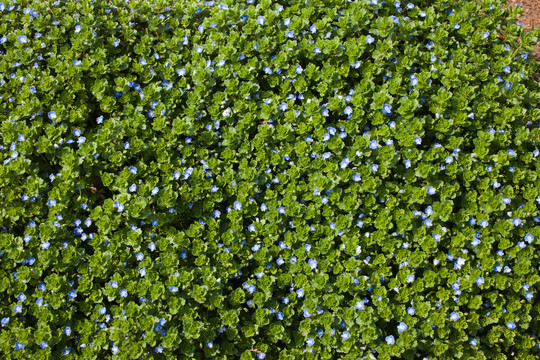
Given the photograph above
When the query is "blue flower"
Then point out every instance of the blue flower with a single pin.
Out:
(281, 210)
(133, 170)
(317, 50)
(370, 39)
(508, 85)
(133, 188)
(516, 221)
(237, 205)
(387, 109)
(123, 293)
(528, 238)
(529, 296)
(19, 346)
(21, 297)
(77, 62)
(485, 34)
(300, 292)
(298, 69)
(210, 344)
(22, 39)
(52, 115)
(454, 316)
(374, 167)
(116, 43)
(511, 325)
(310, 342)
(251, 227)
(359, 305)
(114, 284)
(67, 331)
(345, 335)
(280, 315)
(155, 190)
(72, 294)
(390, 340)
(431, 190)
(17, 309)
(410, 311)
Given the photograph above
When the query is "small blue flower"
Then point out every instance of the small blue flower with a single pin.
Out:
(280, 315)
(52, 115)
(317, 50)
(281, 210)
(516, 221)
(300, 292)
(17, 309)
(511, 325)
(374, 167)
(21, 297)
(508, 85)
(4, 321)
(479, 280)
(237, 205)
(390, 340)
(387, 109)
(22, 39)
(72, 294)
(123, 293)
(298, 69)
(370, 39)
(67, 331)
(345, 335)
(133, 170)
(116, 43)
(529, 296)
(454, 316)
(19, 346)
(77, 62)
(260, 20)
(431, 190)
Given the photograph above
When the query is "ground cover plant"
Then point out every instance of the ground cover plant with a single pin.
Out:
(268, 179)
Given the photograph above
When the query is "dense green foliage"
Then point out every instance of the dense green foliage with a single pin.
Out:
(279, 180)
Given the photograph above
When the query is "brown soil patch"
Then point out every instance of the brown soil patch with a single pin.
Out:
(530, 18)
